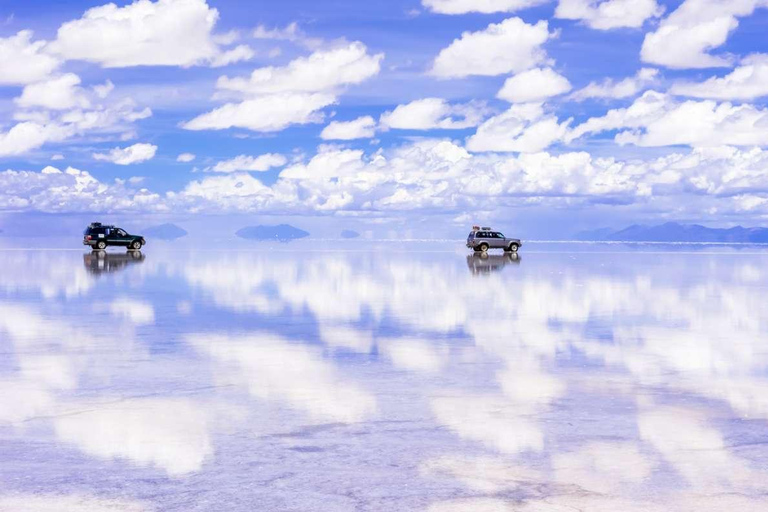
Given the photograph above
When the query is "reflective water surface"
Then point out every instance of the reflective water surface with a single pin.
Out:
(299, 378)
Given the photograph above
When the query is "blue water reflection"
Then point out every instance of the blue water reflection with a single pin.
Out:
(390, 379)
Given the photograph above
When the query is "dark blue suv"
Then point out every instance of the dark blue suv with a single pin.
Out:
(100, 236)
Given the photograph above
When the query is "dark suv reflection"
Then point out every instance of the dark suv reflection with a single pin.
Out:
(484, 263)
(101, 262)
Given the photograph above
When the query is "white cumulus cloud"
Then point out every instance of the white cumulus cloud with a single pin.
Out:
(534, 85)
(624, 88)
(23, 61)
(424, 175)
(239, 53)
(510, 46)
(685, 38)
(104, 90)
(746, 82)
(55, 93)
(145, 33)
(251, 163)
(360, 128)
(609, 14)
(186, 157)
(321, 71)
(483, 6)
(658, 119)
(269, 113)
(277, 97)
(53, 190)
(135, 154)
(524, 128)
(431, 113)
(28, 135)
(58, 109)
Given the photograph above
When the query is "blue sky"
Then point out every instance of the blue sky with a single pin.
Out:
(380, 114)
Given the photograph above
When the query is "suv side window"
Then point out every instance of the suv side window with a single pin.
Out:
(481, 234)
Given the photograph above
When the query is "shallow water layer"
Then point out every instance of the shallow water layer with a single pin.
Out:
(377, 378)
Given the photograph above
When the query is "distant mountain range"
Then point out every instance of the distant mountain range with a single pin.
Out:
(348, 233)
(281, 233)
(674, 232)
(165, 232)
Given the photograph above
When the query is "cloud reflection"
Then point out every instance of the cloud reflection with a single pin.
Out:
(273, 369)
(697, 451)
(68, 503)
(171, 434)
(601, 382)
(490, 420)
(49, 273)
(136, 311)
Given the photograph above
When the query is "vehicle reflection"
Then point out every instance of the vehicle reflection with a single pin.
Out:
(600, 382)
(481, 263)
(103, 262)
(670, 335)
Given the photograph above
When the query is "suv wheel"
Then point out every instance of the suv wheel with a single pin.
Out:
(484, 247)
(101, 245)
(136, 245)
(513, 247)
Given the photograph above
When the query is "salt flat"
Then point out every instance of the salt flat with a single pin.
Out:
(376, 377)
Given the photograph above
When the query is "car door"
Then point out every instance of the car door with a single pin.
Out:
(117, 236)
(124, 237)
(497, 240)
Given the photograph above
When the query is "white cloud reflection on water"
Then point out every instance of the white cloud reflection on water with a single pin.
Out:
(50, 273)
(138, 312)
(600, 382)
(663, 332)
(49, 355)
(172, 434)
(68, 503)
(53, 357)
(294, 375)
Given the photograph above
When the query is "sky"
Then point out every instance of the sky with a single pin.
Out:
(548, 117)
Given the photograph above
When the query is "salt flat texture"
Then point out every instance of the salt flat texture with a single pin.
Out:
(614, 379)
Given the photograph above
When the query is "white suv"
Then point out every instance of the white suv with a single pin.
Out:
(484, 238)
